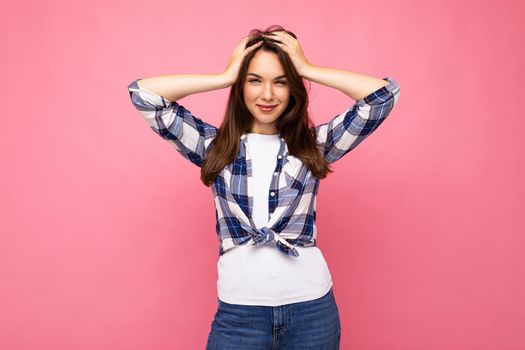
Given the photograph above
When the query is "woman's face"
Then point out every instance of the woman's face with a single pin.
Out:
(265, 85)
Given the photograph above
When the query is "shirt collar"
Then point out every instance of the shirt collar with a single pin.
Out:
(283, 150)
(244, 136)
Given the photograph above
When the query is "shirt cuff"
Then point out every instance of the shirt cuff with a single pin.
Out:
(382, 94)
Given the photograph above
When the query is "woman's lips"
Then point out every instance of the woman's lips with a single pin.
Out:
(266, 109)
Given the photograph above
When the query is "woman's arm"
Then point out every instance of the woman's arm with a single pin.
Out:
(355, 85)
(346, 131)
(176, 86)
(156, 99)
(173, 87)
(374, 97)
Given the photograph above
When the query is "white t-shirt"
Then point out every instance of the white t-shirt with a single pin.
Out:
(261, 275)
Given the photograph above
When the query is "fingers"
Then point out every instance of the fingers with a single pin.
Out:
(242, 46)
(283, 36)
(246, 38)
(254, 46)
(279, 37)
(243, 43)
(279, 34)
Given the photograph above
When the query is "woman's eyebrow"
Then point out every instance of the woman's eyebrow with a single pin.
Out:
(258, 76)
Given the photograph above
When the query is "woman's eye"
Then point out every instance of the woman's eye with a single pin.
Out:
(256, 80)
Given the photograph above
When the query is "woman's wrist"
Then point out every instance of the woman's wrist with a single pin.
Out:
(226, 78)
(306, 70)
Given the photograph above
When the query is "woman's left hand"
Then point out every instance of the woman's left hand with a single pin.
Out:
(291, 46)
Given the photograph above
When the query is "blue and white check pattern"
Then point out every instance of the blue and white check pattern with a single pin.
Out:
(293, 189)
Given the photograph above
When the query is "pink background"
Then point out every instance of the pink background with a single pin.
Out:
(108, 236)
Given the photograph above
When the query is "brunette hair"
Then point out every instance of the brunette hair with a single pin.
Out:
(294, 124)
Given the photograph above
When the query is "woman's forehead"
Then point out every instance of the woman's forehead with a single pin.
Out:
(266, 66)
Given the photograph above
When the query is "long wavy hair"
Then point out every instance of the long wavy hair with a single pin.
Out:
(294, 124)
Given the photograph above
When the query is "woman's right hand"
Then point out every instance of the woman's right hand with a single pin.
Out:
(232, 70)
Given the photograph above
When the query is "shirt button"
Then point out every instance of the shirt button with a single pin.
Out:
(275, 173)
(272, 193)
(279, 156)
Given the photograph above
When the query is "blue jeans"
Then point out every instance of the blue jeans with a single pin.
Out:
(312, 324)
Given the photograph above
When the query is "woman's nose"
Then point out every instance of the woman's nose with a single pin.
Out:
(267, 91)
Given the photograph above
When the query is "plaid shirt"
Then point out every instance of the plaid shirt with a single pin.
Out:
(293, 189)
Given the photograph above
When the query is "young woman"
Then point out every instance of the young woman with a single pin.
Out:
(264, 165)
